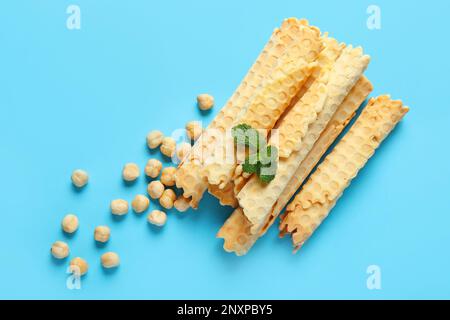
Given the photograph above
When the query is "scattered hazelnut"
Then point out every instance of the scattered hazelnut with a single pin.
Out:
(181, 204)
(119, 207)
(193, 130)
(154, 139)
(157, 217)
(130, 172)
(205, 101)
(153, 168)
(60, 250)
(140, 203)
(80, 178)
(110, 260)
(79, 266)
(168, 146)
(70, 223)
(168, 176)
(102, 233)
(183, 150)
(167, 199)
(155, 189)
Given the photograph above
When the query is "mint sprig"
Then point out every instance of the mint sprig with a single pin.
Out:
(263, 159)
(245, 135)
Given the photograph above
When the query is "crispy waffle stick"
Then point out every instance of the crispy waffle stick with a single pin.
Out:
(297, 115)
(270, 100)
(257, 199)
(341, 118)
(319, 195)
(236, 230)
(188, 176)
(330, 52)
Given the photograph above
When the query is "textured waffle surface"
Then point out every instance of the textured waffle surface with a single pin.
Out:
(319, 195)
(342, 116)
(225, 195)
(257, 199)
(294, 126)
(235, 232)
(273, 96)
(189, 176)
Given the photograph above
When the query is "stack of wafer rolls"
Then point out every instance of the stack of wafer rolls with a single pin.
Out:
(301, 93)
(278, 74)
(327, 184)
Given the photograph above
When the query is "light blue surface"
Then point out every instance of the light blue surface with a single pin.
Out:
(87, 98)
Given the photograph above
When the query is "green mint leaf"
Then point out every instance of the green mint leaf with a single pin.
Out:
(268, 164)
(250, 168)
(266, 178)
(244, 134)
(239, 133)
(251, 164)
(268, 156)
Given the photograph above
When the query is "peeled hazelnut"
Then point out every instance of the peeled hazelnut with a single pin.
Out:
(167, 199)
(183, 150)
(153, 168)
(155, 189)
(102, 234)
(80, 178)
(168, 176)
(60, 250)
(140, 203)
(119, 207)
(205, 101)
(157, 218)
(70, 223)
(154, 139)
(79, 266)
(110, 260)
(130, 172)
(193, 130)
(168, 146)
(181, 204)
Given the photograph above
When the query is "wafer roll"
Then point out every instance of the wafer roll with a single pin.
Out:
(225, 196)
(341, 118)
(236, 230)
(319, 195)
(331, 50)
(270, 100)
(256, 198)
(188, 176)
(294, 126)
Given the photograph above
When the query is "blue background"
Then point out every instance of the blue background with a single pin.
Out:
(87, 98)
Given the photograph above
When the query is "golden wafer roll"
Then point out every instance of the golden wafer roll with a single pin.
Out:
(319, 195)
(188, 176)
(256, 198)
(293, 127)
(331, 50)
(341, 118)
(237, 238)
(226, 195)
(270, 100)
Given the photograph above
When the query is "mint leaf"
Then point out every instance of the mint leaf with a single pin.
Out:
(250, 168)
(251, 164)
(268, 164)
(239, 133)
(266, 178)
(268, 156)
(244, 134)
